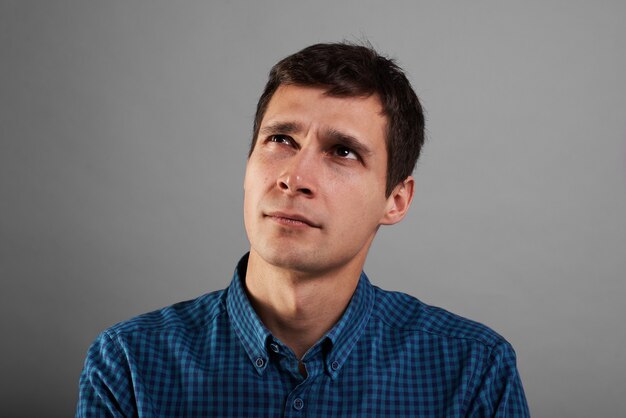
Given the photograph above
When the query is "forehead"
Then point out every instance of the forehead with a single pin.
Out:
(312, 108)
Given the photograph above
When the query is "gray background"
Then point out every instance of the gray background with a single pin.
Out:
(124, 128)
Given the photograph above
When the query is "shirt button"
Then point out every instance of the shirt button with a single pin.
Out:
(334, 366)
(298, 404)
(259, 362)
(274, 347)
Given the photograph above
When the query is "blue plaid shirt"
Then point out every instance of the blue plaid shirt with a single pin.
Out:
(389, 356)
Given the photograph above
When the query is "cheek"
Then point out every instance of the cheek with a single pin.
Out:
(373, 204)
(257, 181)
(253, 178)
(358, 188)
(259, 170)
(359, 206)
(249, 190)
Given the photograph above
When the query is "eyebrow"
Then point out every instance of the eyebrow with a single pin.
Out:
(348, 141)
(281, 127)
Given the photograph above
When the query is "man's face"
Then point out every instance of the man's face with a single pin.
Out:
(315, 181)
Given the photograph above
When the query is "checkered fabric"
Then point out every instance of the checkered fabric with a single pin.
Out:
(389, 356)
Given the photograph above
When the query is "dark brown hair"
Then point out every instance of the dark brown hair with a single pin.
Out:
(348, 70)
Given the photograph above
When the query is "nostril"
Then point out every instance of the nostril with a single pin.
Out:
(291, 185)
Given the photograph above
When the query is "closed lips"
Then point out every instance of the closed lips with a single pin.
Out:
(295, 218)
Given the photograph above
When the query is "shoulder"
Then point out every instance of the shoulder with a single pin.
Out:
(403, 312)
(142, 345)
(186, 316)
(440, 343)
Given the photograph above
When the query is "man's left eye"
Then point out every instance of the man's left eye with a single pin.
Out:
(345, 152)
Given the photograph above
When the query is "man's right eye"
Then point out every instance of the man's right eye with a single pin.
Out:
(280, 139)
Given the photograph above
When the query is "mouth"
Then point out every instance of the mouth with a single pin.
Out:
(291, 219)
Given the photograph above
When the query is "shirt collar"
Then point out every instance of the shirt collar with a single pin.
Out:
(349, 329)
(255, 336)
(249, 328)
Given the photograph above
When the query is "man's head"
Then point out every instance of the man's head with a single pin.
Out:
(337, 134)
(346, 70)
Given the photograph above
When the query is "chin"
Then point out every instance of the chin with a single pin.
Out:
(291, 258)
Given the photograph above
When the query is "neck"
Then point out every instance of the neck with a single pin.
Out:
(299, 309)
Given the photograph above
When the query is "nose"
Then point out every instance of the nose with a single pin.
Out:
(299, 175)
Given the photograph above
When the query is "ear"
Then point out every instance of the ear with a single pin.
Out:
(398, 202)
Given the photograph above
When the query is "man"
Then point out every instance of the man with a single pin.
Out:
(301, 331)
